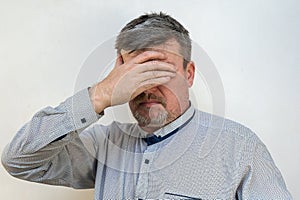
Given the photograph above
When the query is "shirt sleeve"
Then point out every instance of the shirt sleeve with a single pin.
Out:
(48, 149)
(262, 179)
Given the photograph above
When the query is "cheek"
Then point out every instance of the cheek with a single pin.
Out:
(176, 90)
(132, 106)
(172, 94)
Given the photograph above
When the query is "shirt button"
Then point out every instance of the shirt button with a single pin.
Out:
(83, 120)
(147, 161)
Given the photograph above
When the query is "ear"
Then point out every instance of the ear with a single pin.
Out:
(119, 60)
(190, 73)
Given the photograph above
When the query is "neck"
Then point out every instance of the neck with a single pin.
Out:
(151, 129)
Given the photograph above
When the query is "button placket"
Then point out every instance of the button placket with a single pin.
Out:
(143, 180)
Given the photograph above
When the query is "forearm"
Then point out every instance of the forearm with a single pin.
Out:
(44, 144)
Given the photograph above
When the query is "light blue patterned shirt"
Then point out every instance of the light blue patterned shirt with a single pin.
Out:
(205, 157)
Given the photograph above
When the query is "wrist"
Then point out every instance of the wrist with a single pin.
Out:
(99, 97)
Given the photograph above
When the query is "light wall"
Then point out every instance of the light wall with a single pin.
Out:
(254, 45)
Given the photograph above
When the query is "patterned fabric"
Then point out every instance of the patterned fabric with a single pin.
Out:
(208, 158)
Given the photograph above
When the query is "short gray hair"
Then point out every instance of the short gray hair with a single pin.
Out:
(154, 29)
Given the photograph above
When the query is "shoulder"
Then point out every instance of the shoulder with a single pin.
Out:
(227, 128)
(222, 137)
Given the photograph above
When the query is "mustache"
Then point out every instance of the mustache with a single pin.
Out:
(143, 97)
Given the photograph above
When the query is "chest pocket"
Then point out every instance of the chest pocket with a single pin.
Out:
(169, 195)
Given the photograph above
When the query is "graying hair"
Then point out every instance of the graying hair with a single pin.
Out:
(153, 29)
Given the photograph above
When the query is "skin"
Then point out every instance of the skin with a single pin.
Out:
(158, 86)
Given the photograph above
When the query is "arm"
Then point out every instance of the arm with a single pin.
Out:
(262, 180)
(48, 149)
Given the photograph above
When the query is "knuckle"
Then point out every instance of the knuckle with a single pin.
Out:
(153, 62)
(146, 54)
(136, 85)
(155, 74)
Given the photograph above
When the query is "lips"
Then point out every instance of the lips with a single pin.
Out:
(149, 103)
(148, 100)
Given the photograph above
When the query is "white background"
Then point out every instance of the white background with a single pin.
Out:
(254, 45)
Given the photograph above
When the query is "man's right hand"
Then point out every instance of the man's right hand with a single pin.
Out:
(127, 80)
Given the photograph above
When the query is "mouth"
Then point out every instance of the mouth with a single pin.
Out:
(148, 100)
(150, 103)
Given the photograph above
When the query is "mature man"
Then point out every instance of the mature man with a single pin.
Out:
(174, 151)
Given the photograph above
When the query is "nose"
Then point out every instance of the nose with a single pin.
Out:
(151, 90)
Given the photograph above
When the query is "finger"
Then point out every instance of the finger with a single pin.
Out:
(156, 66)
(148, 84)
(148, 55)
(156, 74)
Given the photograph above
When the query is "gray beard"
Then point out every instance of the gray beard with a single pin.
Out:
(155, 121)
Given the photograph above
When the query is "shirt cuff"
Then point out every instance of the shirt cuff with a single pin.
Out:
(81, 110)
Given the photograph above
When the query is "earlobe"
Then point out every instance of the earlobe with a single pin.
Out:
(190, 72)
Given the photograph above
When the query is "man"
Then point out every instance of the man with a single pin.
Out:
(173, 152)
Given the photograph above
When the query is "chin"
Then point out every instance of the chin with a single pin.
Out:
(152, 118)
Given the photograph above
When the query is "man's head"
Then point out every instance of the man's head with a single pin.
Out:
(151, 30)
(162, 104)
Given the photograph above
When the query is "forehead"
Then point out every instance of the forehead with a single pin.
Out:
(170, 47)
